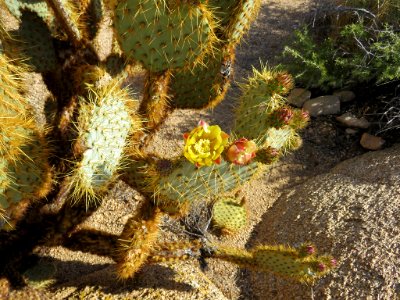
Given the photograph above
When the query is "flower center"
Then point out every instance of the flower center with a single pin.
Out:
(202, 146)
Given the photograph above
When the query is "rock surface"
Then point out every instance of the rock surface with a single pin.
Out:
(323, 105)
(349, 120)
(371, 142)
(352, 212)
(345, 96)
(298, 96)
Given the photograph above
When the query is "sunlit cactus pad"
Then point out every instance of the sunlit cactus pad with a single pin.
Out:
(104, 124)
(186, 183)
(161, 35)
(240, 18)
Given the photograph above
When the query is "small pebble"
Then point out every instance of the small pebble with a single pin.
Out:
(350, 120)
(371, 142)
(351, 131)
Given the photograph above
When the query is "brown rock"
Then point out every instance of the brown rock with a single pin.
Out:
(298, 96)
(351, 212)
(371, 142)
(345, 96)
(350, 120)
(324, 105)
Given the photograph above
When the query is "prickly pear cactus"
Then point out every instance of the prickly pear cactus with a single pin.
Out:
(229, 215)
(206, 85)
(50, 174)
(262, 114)
(291, 263)
(104, 124)
(186, 183)
(162, 34)
(25, 173)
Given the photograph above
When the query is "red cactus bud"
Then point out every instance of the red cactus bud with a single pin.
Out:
(321, 267)
(282, 116)
(310, 249)
(285, 80)
(241, 151)
(285, 114)
(305, 114)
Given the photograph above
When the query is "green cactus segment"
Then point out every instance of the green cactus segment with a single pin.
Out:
(222, 10)
(243, 14)
(206, 85)
(259, 103)
(24, 176)
(24, 171)
(229, 215)
(104, 124)
(281, 260)
(11, 100)
(162, 37)
(35, 43)
(283, 139)
(37, 6)
(186, 183)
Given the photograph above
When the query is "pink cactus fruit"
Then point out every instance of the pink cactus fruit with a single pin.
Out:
(241, 152)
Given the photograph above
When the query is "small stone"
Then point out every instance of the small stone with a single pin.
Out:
(349, 120)
(351, 131)
(298, 96)
(371, 142)
(345, 96)
(324, 105)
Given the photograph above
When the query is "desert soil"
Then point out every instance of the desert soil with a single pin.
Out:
(84, 276)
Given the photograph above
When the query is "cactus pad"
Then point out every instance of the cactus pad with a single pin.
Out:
(281, 260)
(244, 12)
(104, 124)
(229, 215)
(186, 183)
(262, 114)
(222, 10)
(206, 85)
(24, 178)
(155, 104)
(11, 87)
(162, 37)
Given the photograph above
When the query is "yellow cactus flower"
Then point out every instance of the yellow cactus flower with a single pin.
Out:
(204, 144)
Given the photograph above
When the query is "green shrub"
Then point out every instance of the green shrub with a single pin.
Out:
(352, 51)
